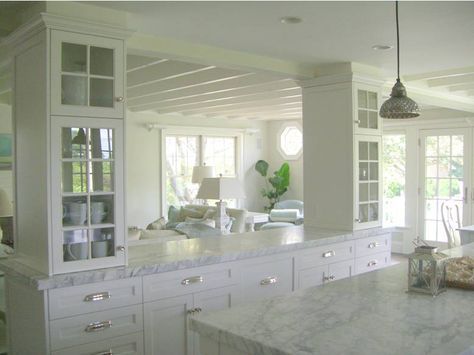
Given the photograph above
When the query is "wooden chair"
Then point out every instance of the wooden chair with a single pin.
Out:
(451, 221)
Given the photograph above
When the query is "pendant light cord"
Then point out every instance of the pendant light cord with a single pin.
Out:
(398, 41)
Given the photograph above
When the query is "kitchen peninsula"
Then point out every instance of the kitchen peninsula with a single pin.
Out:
(144, 307)
(367, 314)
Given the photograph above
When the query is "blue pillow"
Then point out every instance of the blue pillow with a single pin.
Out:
(174, 214)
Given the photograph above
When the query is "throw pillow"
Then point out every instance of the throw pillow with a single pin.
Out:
(173, 214)
(210, 213)
(160, 223)
(189, 212)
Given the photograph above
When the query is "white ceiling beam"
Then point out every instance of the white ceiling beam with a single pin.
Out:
(440, 99)
(439, 74)
(162, 71)
(179, 83)
(269, 108)
(461, 87)
(213, 93)
(453, 80)
(236, 106)
(251, 83)
(135, 62)
(470, 92)
(144, 44)
(286, 93)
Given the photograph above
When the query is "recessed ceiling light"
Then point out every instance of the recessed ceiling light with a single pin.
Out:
(290, 20)
(381, 47)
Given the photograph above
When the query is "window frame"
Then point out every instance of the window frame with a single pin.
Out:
(279, 136)
(200, 133)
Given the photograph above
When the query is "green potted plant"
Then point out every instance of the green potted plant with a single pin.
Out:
(276, 185)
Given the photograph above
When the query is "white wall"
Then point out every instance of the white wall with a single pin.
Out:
(143, 164)
(275, 159)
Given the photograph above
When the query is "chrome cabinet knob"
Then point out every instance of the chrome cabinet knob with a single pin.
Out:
(120, 248)
(329, 278)
(269, 281)
(357, 121)
(192, 280)
(357, 220)
(107, 352)
(119, 99)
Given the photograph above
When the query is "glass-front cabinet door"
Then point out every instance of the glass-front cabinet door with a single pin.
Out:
(88, 194)
(87, 75)
(367, 119)
(368, 182)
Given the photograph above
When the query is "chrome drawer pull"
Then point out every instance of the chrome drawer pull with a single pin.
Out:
(194, 310)
(329, 278)
(329, 253)
(97, 297)
(96, 326)
(192, 280)
(107, 352)
(372, 263)
(269, 280)
(373, 245)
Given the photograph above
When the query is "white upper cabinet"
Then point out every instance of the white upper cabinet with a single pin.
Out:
(86, 75)
(366, 110)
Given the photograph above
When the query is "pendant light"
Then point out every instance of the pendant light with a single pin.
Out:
(399, 105)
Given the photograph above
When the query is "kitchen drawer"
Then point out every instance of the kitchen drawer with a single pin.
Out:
(130, 344)
(98, 326)
(330, 253)
(75, 300)
(184, 282)
(319, 275)
(271, 277)
(372, 262)
(372, 245)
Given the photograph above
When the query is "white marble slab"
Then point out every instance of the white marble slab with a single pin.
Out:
(170, 256)
(367, 314)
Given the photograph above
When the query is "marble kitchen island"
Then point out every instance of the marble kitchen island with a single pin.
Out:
(366, 314)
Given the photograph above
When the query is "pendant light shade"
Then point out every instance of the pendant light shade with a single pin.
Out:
(399, 105)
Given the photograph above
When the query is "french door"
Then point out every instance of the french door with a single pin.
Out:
(445, 164)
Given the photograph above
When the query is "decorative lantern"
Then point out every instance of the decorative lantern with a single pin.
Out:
(427, 270)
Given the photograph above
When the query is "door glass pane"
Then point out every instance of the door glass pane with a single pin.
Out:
(374, 191)
(363, 151)
(362, 98)
(373, 211)
(444, 181)
(73, 142)
(73, 58)
(363, 119)
(102, 244)
(73, 90)
(363, 213)
(373, 119)
(74, 211)
(74, 177)
(102, 92)
(102, 143)
(363, 192)
(372, 100)
(102, 209)
(373, 151)
(363, 171)
(102, 61)
(373, 171)
(102, 178)
(75, 245)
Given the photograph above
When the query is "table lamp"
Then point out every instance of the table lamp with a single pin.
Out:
(221, 188)
(6, 218)
(201, 172)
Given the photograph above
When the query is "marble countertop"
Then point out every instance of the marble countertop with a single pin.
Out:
(367, 314)
(169, 256)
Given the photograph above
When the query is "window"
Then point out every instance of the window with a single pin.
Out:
(290, 142)
(394, 169)
(183, 152)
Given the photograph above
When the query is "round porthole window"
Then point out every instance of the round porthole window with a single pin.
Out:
(291, 141)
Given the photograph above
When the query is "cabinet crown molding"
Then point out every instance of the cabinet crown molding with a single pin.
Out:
(50, 21)
(342, 78)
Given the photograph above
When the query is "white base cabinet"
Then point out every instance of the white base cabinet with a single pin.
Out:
(150, 314)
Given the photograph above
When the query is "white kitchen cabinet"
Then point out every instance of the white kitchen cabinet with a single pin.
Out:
(166, 320)
(68, 157)
(342, 125)
(86, 75)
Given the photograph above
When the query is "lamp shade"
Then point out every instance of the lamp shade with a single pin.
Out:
(220, 188)
(201, 172)
(5, 205)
